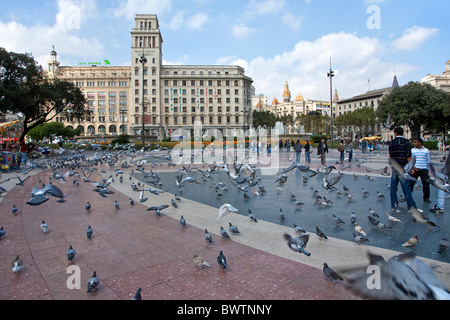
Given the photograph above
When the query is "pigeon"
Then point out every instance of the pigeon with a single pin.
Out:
(2, 232)
(282, 178)
(338, 220)
(298, 229)
(359, 238)
(402, 277)
(411, 241)
(225, 209)
(418, 217)
(359, 229)
(443, 245)
(44, 226)
(403, 172)
(373, 213)
(38, 196)
(200, 262)
(281, 214)
(70, 253)
(116, 204)
(89, 232)
(158, 209)
(392, 218)
(173, 203)
(141, 197)
(331, 274)
(329, 184)
(224, 233)
(93, 283)
(17, 264)
(137, 295)
(365, 192)
(380, 196)
(353, 217)
(252, 216)
(207, 236)
(183, 221)
(298, 244)
(221, 260)
(88, 206)
(320, 233)
(233, 229)
(14, 209)
(375, 222)
(63, 199)
(131, 201)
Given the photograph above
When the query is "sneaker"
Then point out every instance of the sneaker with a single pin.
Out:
(436, 209)
(427, 200)
(420, 210)
(396, 210)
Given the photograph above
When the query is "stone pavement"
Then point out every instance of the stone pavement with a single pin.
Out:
(132, 248)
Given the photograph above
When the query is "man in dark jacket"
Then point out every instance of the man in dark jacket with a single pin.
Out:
(322, 150)
(298, 150)
(400, 151)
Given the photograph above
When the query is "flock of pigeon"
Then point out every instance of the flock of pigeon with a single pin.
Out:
(242, 176)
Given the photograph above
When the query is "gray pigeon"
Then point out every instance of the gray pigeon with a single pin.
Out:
(402, 277)
(207, 236)
(93, 283)
(2, 232)
(88, 206)
(331, 274)
(158, 209)
(443, 245)
(131, 201)
(89, 232)
(233, 229)
(298, 244)
(14, 209)
(70, 253)
(223, 233)
(183, 221)
(221, 260)
(116, 204)
(137, 295)
(320, 233)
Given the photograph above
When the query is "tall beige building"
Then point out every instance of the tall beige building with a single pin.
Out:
(440, 81)
(164, 97)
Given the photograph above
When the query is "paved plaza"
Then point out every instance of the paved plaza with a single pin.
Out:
(134, 248)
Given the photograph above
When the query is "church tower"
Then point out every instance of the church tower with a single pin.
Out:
(286, 93)
(53, 64)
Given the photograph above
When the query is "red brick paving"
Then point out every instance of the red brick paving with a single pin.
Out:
(132, 248)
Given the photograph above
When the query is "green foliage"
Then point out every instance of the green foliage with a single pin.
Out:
(318, 138)
(264, 118)
(45, 130)
(122, 139)
(25, 92)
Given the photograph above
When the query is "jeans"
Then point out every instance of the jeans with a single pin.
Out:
(307, 157)
(423, 174)
(297, 158)
(406, 187)
(440, 199)
(341, 158)
(350, 156)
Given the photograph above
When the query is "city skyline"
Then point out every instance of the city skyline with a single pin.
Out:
(274, 41)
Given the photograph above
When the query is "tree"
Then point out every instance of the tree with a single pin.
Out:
(35, 99)
(415, 105)
(264, 118)
(45, 130)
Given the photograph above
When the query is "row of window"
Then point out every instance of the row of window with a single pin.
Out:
(81, 84)
(184, 120)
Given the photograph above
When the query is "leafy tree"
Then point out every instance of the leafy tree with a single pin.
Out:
(415, 105)
(45, 130)
(36, 100)
(314, 122)
(264, 118)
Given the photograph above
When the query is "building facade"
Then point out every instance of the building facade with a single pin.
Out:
(154, 97)
(440, 81)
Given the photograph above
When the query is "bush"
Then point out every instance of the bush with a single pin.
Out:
(121, 139)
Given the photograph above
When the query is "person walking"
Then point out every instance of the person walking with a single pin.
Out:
(441, 195)
(350, 151)
(307, 152)
(298, 150)
(341, 150)
(400, 151)
(322, 150)
(421, 168)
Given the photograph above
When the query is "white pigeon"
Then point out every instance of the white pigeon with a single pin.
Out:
(44, 226)
(225, 209)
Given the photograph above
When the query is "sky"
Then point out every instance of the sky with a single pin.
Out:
(367, 41)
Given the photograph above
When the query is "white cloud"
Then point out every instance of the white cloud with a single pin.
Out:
(256, 7)
(413, 38)
(38, 39)
(242, 31)
(354, 60)
(194, 22)
(292, 21)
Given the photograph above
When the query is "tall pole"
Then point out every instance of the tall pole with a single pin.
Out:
(143, 60)
(331, 75)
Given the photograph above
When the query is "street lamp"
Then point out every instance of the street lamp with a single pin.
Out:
(331, 75)
(143, 60)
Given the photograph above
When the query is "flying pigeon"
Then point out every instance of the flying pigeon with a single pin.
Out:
(225, 209)
(200, 262)
(411, 242)
(38, 196)
(298, 244)
(158, 209)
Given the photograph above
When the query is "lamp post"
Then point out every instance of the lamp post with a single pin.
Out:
(331, 75)
(143, 60)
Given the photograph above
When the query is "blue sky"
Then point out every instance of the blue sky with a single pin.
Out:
(274, 40)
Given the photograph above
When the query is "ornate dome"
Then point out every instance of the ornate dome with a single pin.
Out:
(299, 98)
(274, 101)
